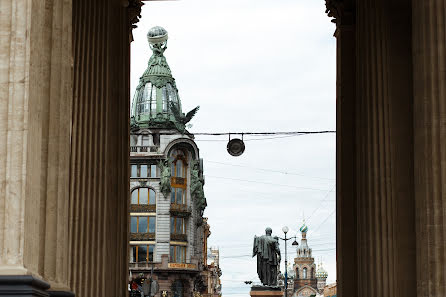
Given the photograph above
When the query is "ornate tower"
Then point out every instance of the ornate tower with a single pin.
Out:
(167, 228)
(305, 283)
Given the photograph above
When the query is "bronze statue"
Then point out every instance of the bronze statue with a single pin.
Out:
(266, 247)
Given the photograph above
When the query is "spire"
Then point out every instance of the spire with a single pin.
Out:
(303, 251)
(156, 103)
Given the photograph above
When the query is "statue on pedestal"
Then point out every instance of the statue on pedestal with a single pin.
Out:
(266, 248)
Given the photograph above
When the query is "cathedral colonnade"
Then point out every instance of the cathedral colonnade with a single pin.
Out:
(391, 147)
(64, 146)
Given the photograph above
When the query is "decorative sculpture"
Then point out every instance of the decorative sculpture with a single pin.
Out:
(266, 248)
(196, 187)
(165, 186)
(181, 119)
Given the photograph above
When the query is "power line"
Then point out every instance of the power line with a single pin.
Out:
(253, 139)
(268, 170)
(249, 133)
(266, 183)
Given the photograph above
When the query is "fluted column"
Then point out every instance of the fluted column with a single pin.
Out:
(346, 221)
(429, 60)
(99, 171)
(374, 200)
(35, 120)
(385, 200)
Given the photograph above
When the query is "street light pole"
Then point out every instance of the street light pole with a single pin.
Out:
(286, 269)
(285, 230)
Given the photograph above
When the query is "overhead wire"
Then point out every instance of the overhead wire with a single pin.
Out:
(268, 170)
(266, 183)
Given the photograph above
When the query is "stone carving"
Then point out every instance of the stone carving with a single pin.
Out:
(180, 119)
(165, 186)
(134, 13)
(196, 187)
(266, 248)
(333, 9)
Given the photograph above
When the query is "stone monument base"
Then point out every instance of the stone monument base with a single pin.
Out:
(265, 291)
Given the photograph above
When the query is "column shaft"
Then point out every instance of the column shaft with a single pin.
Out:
(429, 76)
(36, 89)
(99, 188)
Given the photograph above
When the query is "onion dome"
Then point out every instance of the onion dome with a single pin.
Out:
(303, 228)
(156, 103)
(321, 272)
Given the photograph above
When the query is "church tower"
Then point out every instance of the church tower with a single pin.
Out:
(305, 282)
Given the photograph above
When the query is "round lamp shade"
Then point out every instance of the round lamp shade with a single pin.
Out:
(236, 147)
(285, 229)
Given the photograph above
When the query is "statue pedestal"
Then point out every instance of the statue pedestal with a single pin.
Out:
(264, 291)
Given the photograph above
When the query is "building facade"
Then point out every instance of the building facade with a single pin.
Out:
(167, 228)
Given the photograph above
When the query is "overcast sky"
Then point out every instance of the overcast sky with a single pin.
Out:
(255, 66)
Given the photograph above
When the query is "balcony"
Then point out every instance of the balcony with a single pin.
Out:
(180, 210)
(178, 237)
(143, 208)
(143, 149)
(142, 236)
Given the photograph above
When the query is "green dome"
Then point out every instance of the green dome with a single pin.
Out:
(303, 228)
(156, 103)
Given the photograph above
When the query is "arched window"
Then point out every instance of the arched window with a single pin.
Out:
(178, 158)
(312, 272)
(304, 273)
(297, 273)
(143, 196)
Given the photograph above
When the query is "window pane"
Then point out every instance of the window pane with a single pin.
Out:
(143, 195)
(151, 249)
(172, 254)
(145, 140)
(152, 199)
(179, 196)
(172, 225)
(153, 170)
(142, 225)
(152, 224)
(178, 254)
(134, 197)
(173, 169)
(179, 168)
(133, 259)
(178, 225)
(142, 253)
(143, 171)
(133, 224)
(134, 171)
(172, 196)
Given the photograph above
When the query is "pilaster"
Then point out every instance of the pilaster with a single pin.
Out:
(429, 76)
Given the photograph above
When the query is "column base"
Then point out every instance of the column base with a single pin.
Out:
(61, 294)
(23, 286)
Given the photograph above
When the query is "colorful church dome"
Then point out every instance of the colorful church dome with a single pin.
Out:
(303, 228)
(321, 272)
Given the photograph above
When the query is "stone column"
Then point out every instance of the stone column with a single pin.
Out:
(384, 157)
(429, 76)
(346, 233)
(35, 116)
(99, 169)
